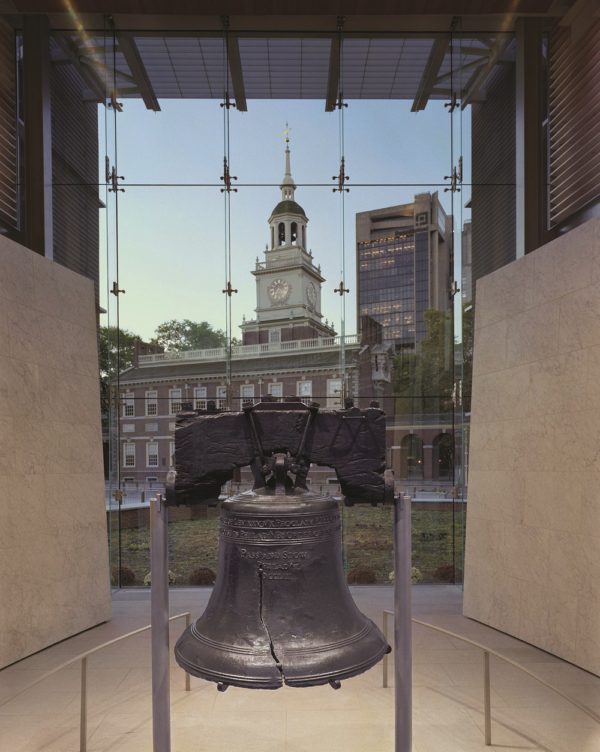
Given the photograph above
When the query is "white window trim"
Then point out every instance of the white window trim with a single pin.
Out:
(175, 400)
(129, 405)
(148, 445)
(200, 402)
(244, 398)
(334, 401)
(152, 401)
(270, 388)
(306, 398)
(128, 455)
(221, 398)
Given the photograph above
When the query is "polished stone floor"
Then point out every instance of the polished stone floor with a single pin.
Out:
(447, 694)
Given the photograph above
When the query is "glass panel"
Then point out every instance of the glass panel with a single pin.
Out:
(393, 244)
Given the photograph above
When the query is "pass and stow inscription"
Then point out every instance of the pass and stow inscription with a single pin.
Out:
(283, 563)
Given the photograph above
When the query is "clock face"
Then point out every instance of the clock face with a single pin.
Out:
(311, 295)
(279, 290)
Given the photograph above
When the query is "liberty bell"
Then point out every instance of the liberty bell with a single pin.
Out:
(280, 611)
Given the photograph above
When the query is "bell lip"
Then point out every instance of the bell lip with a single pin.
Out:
(272, 681)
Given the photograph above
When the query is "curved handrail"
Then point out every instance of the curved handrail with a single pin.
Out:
(84, 655)
(491, 651)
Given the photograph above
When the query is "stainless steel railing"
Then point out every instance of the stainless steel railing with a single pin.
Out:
(82, 657)
(487, 651)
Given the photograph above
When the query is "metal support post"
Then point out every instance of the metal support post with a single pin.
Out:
(159, 572)
(403, 623)
(486, 698)
(188, 621)
(385, 662)
(83, 710)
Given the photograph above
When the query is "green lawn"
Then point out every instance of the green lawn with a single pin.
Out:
(367, 535)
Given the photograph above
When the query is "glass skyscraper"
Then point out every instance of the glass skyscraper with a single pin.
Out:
(403, 267)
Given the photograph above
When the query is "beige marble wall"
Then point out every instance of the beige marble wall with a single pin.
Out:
(53, 546)
(533, 535)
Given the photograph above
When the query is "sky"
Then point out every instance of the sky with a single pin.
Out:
(171, 233)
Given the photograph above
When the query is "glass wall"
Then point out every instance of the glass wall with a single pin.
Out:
(289, 249)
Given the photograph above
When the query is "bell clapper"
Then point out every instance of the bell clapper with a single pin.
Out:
(222, 687)
(335, 684)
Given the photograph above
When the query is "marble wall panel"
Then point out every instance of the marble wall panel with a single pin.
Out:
(533, 531)
(53, 543)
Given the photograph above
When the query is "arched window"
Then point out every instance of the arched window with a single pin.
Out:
(272, 237)
(281, 233)
(443, 456)
(294, 233)
(303, 236)
(411, 457)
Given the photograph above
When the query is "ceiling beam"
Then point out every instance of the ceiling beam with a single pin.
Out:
(236, 73)
(472, 89)
(429, 77)
(333, 78)
(88, 74)
(127, 45)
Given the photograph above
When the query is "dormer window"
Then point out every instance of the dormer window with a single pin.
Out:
(281, 233)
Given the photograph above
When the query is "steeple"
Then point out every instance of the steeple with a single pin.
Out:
(288, 220)
(287, 186)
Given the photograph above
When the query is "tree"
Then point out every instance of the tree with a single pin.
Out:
(423, 380)
(189, 335)
(117, 349)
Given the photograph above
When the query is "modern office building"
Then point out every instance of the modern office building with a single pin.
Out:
(403, 267)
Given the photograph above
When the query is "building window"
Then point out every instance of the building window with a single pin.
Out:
(129, 455)
(151, 427)
(200, 398)
(128, 427)
(174, 401)
(274, 336)
(276, 390)
(129, 405)
(334, 393)
(221, 401)
(281, 233)
(151, 479)
(247, 394)
(152, 454)
(152, 403)
(305, 391)
(294, 233)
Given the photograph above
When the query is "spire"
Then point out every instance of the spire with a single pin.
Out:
(287, 186)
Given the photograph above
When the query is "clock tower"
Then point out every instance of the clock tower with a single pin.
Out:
(288, 284)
